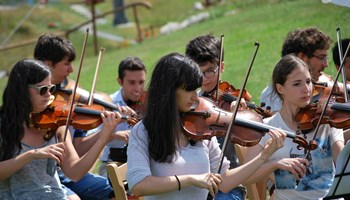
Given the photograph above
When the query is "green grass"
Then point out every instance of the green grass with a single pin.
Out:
(253, 21)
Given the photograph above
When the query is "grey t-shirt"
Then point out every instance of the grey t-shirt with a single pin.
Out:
(33, 181)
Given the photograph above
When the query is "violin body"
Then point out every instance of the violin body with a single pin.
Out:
(228, 94)
(140, 106)
(83, 117)
(206, 120)
(335, 115)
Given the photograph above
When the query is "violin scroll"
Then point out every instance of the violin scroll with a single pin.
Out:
(302, 143)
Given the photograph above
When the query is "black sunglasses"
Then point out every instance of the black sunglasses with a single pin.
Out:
(43, 89)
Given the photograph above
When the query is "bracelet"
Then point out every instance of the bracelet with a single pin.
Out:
(178, 182)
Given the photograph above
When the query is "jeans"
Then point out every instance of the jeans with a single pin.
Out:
(91, 186)
(237, 193)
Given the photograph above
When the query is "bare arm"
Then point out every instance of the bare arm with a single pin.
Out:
(75, 167)
(297, 166)
(337, 147)
(11, 166)
(153, 185)
(83, 144)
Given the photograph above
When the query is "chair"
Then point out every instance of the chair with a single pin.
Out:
(256, 191)
(117, 176)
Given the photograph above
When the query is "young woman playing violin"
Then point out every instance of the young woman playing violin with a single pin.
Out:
(163, 163)
(28, 161)
(296, 175)
(58, 54)
(205, 51)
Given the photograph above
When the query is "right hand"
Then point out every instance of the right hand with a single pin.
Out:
(296, 166)
(209, 181)
(121, 135)
(54, 151)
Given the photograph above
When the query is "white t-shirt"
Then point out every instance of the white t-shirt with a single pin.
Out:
(201, 158)
(318, 181)
(117, 99)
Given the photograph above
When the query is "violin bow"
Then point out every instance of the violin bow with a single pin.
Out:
(219, 67)
(340, 49)
(234, 114)
(327, 101)
(76, 84)
(91, 96)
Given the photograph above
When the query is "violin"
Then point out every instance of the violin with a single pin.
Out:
(336, 114)
(84, 117)
(65, 90)
(206, 120)
(228, 93)
(140, 106)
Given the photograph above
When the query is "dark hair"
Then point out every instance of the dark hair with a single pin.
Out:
(53, 48)
(306, 40)
(132, 64)
(283, 68)
(162, 116)
(17, 106)
(335, 50)
(204, 49)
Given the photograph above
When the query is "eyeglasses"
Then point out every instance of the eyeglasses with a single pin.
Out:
(43, 89)
(210, 73)
(322, 58)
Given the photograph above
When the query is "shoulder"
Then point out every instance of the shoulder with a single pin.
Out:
(117, 97)
(139, 131)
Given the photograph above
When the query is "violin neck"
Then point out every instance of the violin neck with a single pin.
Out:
(230, 98)
(260, 126)
(105, 104)
(87, 111)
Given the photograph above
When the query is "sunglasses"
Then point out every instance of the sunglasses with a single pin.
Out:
(43, 89)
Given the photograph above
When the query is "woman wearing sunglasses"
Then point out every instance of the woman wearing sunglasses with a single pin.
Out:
(27, 160)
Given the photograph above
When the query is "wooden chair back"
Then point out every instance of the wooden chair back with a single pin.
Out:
(256, 191)
(117, 176)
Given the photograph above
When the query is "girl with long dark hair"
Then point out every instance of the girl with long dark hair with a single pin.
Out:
(27, 160)
(162, 162)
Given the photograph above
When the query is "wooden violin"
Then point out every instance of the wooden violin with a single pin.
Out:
(65, 90)
(84, 117)
(228, 93)
(206, 120)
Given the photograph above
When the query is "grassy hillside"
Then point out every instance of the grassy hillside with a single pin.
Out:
(242, 23)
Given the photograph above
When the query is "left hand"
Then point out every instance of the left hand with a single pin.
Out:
(110, 121)
(242, 105)
(273, 144)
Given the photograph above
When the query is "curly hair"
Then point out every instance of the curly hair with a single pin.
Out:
(306, 40)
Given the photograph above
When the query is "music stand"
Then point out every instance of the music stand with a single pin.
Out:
(340, 186)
